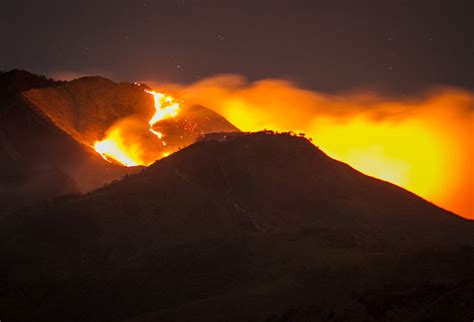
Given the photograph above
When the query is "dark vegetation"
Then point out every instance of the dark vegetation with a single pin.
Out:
(257, 227)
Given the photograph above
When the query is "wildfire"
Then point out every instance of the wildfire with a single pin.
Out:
(423, 143)
(113, 148)
(117, 147)
(165, 107)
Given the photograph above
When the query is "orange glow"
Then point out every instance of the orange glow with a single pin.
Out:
(118, 145)
(165, 107)
(114, 148)
(408, 154)
(423, 144)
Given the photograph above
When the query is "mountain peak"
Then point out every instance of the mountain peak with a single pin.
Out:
(17, 80)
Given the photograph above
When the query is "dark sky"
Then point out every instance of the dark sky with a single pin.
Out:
(394, 46)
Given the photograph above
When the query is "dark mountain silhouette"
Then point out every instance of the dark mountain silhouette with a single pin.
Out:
(16, 81)
(257, 227)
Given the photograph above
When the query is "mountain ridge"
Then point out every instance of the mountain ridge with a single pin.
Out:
(34, 151)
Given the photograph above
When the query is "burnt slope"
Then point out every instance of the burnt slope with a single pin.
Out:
(88, 106)
(258, 226)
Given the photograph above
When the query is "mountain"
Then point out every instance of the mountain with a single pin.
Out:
(254, 227)
(48, 128)
(16, 81)
(87, 107)
(38, 160)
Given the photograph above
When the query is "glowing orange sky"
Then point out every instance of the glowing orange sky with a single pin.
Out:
(424, 144)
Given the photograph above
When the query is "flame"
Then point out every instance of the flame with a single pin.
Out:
(113, 148)
(117, 147)
(424, 143)
(165, 107)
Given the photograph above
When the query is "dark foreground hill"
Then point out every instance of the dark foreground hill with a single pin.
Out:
(258, 227)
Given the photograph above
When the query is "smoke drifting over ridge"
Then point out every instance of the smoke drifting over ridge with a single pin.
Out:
(424, 143)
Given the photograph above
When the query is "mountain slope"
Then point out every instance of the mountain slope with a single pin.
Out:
(87, 107)
(37, 160)
(248, 228)
(47, 129)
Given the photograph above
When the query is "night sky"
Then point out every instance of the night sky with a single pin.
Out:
(392, 46)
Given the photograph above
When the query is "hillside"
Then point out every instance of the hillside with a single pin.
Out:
(39, 161)
(256, 227)
(47, 129)
(87, 107)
